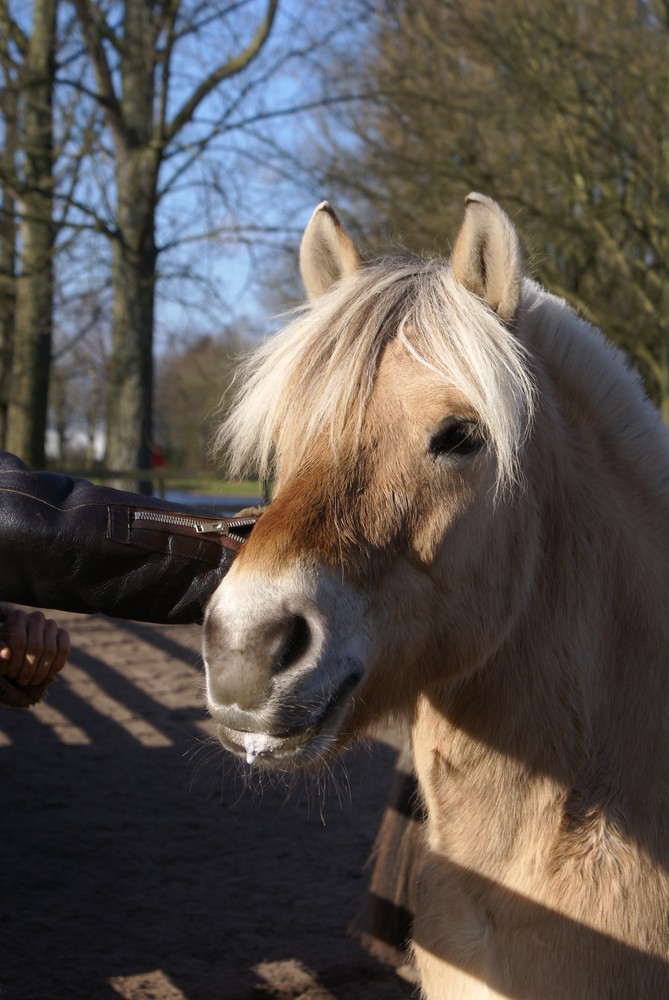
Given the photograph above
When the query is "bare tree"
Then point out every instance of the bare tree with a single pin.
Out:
(12, 48)
(134, 62)
(45, 141)
(79, 380)
(159, 139)
(28, 296)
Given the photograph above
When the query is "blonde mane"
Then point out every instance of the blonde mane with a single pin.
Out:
(596, 371)
(316, 374)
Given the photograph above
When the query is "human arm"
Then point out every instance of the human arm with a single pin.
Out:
(73, 546)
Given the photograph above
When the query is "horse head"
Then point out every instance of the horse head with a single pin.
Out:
(392, 413)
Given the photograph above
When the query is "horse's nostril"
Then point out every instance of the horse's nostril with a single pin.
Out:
(294, 643)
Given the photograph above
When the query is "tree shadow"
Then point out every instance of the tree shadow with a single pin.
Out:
(532, 952)
(515, 945)
(121, 858)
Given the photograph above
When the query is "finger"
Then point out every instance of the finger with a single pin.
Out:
(62, 652)
(15, 635)
(48, 639)
(34, 648)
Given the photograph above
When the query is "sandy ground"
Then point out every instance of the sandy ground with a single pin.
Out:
(140, 862)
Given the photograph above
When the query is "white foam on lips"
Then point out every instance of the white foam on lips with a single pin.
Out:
(256, 744)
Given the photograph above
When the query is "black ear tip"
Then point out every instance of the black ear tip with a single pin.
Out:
(475, 198)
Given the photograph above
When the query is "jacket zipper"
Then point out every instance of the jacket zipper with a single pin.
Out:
(201, 526)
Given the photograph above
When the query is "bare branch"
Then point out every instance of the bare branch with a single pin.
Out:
(12, 31)
(93, 32)
(226, 70)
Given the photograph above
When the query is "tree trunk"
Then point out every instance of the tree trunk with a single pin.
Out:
(130, 387)
(137, 118)
(130, 393)
(664, 403)
(7, 256)
(664, 241)
(34, 287)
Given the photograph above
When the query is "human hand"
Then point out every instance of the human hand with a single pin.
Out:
(32, 648)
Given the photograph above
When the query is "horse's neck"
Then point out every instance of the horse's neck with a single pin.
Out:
(578, 695)
(483, 804)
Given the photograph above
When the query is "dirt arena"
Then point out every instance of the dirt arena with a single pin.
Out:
(139, 862)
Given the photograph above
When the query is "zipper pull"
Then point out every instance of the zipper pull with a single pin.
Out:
(212, 529)
(235, 528)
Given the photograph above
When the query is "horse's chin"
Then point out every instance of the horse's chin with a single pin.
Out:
(306, 741)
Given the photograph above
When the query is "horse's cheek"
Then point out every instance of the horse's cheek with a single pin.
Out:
(479, 584)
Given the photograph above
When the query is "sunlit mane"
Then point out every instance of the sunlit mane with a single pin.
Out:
(317, 373)
(611, 392)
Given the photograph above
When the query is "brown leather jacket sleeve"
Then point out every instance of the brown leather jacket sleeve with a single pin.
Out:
(69, 545)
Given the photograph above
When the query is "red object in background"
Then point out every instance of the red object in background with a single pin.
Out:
(158, 460)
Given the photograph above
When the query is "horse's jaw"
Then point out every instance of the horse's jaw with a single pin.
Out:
(280, 687)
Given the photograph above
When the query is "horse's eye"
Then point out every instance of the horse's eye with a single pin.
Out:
(459, 437)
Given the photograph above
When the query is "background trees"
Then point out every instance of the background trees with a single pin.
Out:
(8, 151)
(155, 123)
(31, 357)
(560, 111)
(189, 384)
(139, 139)
(134, 58)
(28, 69)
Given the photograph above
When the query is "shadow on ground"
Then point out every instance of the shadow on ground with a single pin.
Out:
(139, 862)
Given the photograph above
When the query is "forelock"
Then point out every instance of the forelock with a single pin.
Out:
(314, 377)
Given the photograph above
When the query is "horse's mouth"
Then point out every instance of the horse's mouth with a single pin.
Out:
(310, 735)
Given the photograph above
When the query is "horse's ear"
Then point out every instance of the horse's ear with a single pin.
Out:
(487, 258)
(327, 252)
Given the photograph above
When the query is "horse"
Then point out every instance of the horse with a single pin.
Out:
(469, 531)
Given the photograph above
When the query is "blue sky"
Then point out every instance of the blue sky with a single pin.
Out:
(269, 198)
(238, 211)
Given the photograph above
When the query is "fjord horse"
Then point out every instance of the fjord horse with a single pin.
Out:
(470, 530)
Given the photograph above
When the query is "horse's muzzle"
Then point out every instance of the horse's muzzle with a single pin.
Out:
(300, 740)
(283, 662)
